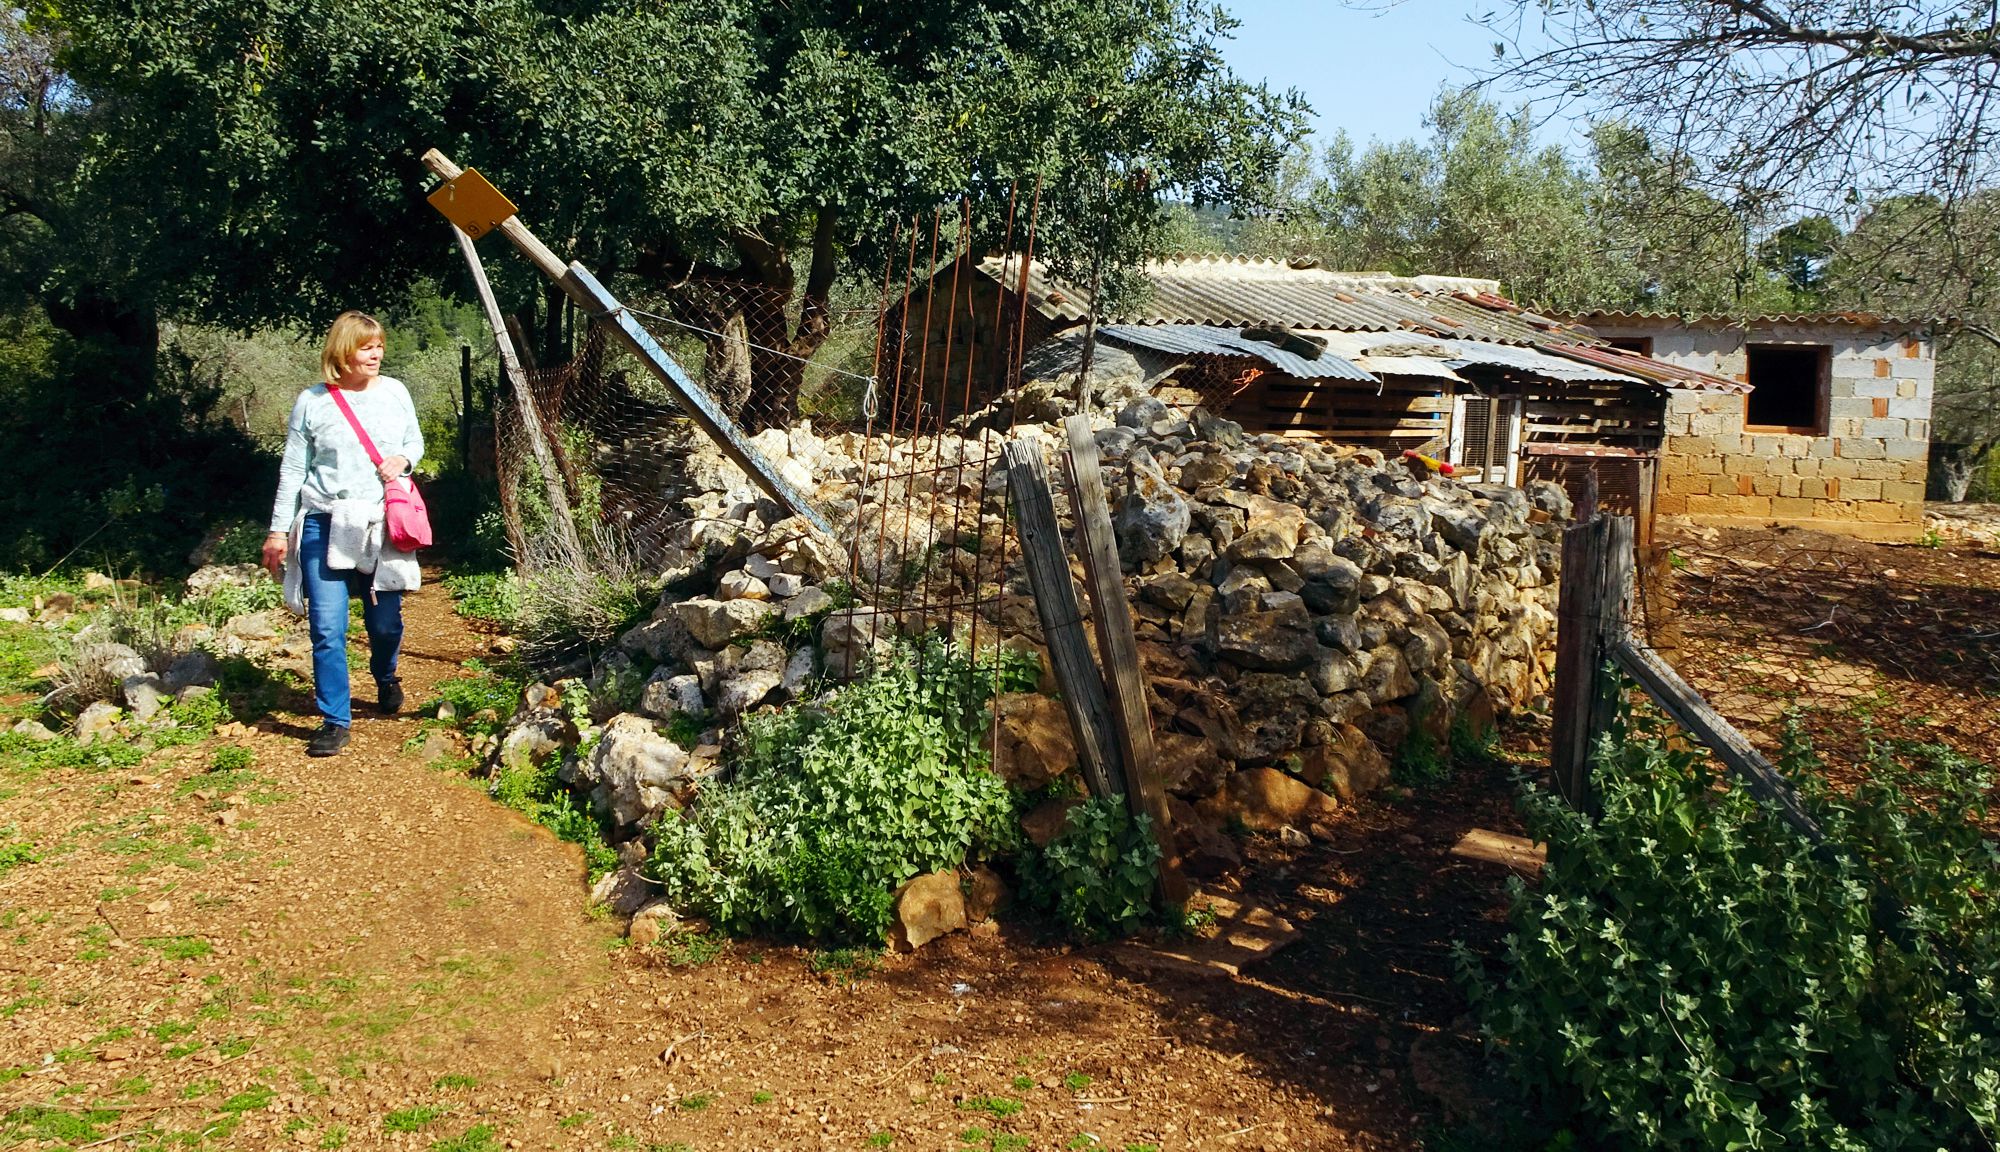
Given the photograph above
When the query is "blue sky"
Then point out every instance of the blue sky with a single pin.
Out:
(1371, 71)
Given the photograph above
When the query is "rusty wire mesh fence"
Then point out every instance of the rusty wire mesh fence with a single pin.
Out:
(864, 415)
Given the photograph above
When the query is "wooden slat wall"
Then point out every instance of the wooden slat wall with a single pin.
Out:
(1619, 415)
(1409, 411)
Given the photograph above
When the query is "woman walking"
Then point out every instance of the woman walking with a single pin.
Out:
(328, 534)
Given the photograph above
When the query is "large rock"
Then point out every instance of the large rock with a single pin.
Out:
(1349, 765)
(669, 694)
(1268, 714)
(747, 677)
(1265, 800)
(623, 892)
(213, 578)
(534, 737)
(1154, 517)
(1035, 744)
(854, 639)
(1206, 851)
(144, 694)
(715, 623)
(1278, 641)
(196, 669)
(928, 907)
(638, 770)
(98, 721)
(1189, 765)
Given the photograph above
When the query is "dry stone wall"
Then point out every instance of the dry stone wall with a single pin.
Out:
(1306, 612)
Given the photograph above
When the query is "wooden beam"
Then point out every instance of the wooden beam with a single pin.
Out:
(1679, 700)
(1595, 450)
(516, 232)
(525, 407)
(1111, 612)
(576, 280)
(1047, 561)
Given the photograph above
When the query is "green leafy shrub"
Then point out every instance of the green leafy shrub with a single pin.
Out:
(1691, 974)
(835, 805)
(485, 691)
(534, 791)
(491, 596)
(231, 759)
(1098, 875)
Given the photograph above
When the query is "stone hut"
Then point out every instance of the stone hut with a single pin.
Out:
(1832, 433)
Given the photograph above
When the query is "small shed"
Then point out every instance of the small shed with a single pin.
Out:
(1831, 431)
(1444, 365)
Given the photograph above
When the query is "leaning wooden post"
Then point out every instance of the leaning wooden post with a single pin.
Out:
(1111, 613)
(1062, 620)
(468, 201)
(524, 404)
(1590, 619)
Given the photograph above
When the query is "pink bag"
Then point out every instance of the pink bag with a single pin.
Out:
(404, 515)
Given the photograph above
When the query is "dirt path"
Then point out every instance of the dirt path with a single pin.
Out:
(368, 953)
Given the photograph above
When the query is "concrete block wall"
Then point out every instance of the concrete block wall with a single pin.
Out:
(1864, 478)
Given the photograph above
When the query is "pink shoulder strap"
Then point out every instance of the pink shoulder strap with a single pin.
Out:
(334, 390)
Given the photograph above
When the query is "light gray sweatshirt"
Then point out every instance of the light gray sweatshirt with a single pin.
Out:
(324, 461)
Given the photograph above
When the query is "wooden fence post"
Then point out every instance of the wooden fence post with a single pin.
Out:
(1111, 612)
(1590, 619)
(1047, 561)
(561, 523)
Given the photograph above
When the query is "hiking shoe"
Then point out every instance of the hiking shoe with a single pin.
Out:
(328, 741)
(389, 697)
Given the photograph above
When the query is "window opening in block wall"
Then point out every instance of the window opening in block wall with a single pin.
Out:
(1787, 387)
(1643, 345)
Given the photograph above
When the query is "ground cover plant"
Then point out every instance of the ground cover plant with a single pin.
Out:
(835, 804)
(1690, 973)
(1097, 876)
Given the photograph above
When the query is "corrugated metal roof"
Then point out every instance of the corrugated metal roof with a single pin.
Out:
(1221, 294)
(1856, 319)
(1464, 353)
(1659, 372)
(1201, 339)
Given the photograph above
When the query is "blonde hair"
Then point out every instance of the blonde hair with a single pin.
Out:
(349, 332)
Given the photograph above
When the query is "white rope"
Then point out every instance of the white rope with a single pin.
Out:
(868, 380)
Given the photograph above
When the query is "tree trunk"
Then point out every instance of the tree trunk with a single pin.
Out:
(730, 371)
(1955, 466)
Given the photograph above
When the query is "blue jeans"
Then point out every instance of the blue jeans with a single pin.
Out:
(327, 593)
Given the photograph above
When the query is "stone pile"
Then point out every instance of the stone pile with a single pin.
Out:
(1305, 612)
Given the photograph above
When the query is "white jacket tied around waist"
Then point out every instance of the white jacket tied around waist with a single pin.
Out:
(357, 539)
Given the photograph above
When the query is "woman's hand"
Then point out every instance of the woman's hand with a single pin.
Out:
(275, 546)
(392, 467)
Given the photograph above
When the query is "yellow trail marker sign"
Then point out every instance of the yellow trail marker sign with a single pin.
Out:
(470, 201)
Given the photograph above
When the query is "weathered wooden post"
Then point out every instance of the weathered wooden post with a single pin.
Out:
(560, 521)
(1047, 561)
(465, 407)
(1117, 644)
(1590, 619)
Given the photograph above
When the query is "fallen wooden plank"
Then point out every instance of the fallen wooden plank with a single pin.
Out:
(1515, 852)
